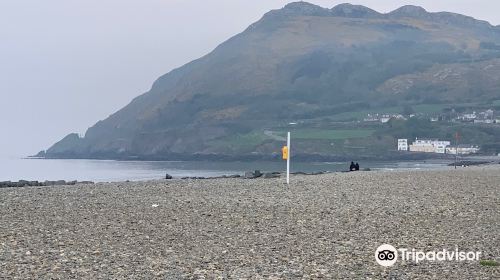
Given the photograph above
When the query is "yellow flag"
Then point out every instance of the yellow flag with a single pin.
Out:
(284, 151)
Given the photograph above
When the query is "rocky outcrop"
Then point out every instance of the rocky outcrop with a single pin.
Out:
(466, 163)
(270, 175)
(410, 11)
(303, 9)
(354, 11)
(24, 183)
(253, 174)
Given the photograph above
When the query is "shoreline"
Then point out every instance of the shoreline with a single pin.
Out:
(243, 175)
(392, 156)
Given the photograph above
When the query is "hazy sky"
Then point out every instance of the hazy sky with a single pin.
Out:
(65, 64)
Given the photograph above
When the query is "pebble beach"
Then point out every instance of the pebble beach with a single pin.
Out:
(318, 227)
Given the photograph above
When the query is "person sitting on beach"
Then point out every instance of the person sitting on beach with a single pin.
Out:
(352, 167)
(356, 166)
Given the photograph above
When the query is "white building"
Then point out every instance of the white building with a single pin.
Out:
(441, 148)
(385, 119)
(488, 114)
(402, 144)
(469, 117)
(484, 121)
(371, 118)
(429, 146)
(462, 150)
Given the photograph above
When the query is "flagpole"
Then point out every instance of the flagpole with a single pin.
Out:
(288, 160)
(457, 137)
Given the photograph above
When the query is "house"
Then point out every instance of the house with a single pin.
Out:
(402, 144)
(485, 117)
(488, 114)
(429, 146)
(399, 117)
(468, 117)
(371, 118)
(462, 149)
(483, 121)
(385, 119)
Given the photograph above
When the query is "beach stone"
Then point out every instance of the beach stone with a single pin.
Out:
(249, 175)
(23, 183)
(465, 163)
(271, 175)
(86, 183)
(318, 227)
(253, 174)
(168, 176)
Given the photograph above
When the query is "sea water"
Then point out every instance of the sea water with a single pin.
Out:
(14, 169)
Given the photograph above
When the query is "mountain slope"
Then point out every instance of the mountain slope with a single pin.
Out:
(298, 63)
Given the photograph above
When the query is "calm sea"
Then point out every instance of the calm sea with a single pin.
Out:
(14, 169)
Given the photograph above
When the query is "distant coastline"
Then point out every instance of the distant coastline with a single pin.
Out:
(50, 172)
(248, 175)
(395, 156)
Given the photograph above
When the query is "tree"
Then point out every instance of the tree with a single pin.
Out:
(408, 110)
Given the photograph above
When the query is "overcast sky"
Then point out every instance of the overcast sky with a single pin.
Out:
(65, 64)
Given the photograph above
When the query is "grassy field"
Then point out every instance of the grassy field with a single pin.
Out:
(242, 141)
(329, 134)
(429, 108)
